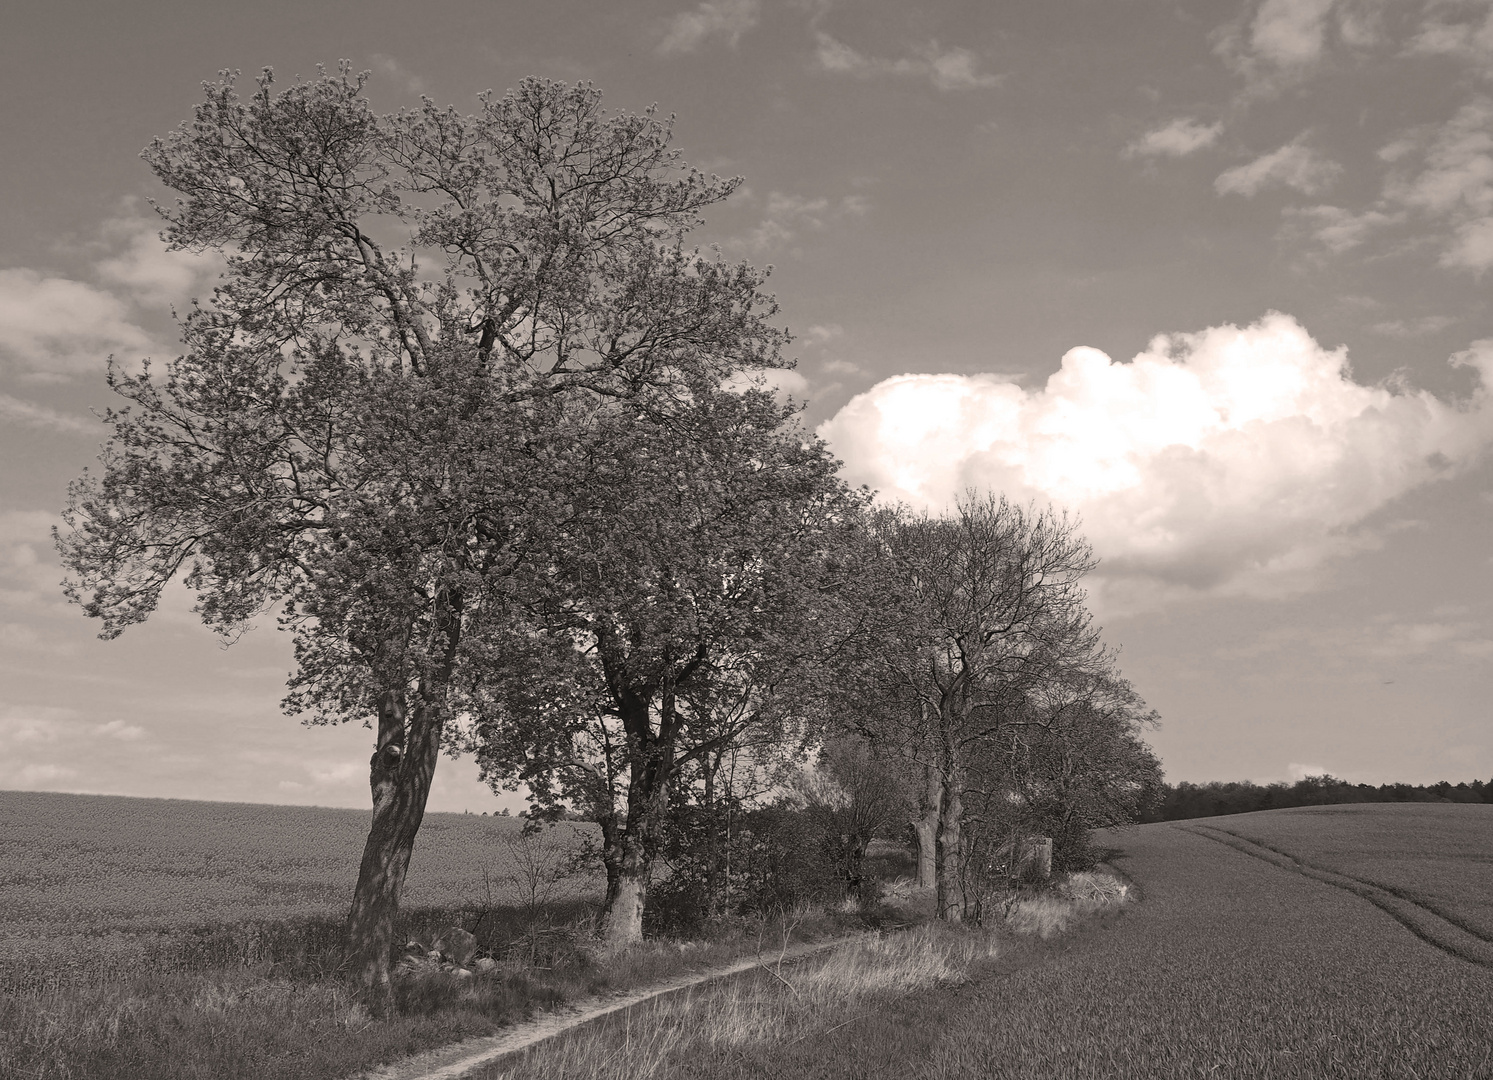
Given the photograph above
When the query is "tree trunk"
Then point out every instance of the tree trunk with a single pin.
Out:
(650, 768)
(950, 845)
(623, 925)
(400, 773)
(925, 828)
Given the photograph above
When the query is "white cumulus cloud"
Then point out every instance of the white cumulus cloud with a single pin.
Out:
(1236, 460)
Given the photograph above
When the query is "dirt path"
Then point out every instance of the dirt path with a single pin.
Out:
(451, 1062)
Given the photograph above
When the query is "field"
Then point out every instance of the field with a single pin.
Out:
(97, 863)
(1438, 856)
(1324, 942)
(170, 940)
(127, 881)
(1230, 966)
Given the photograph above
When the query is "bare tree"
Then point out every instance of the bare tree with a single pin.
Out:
(990, 608)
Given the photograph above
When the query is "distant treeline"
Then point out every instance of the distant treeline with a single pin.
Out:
(1187, 800)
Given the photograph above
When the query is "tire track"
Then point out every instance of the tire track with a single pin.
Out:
(1425, 923)
(1405, 895)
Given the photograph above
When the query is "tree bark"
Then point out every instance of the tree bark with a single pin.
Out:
(951, 842)
(650, 768)
(400, 773)
(623, 925)
(925, 828)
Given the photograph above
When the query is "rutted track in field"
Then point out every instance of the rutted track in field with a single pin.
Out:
(453, 1062)
(1443, 932)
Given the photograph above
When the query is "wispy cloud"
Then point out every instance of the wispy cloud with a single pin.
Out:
(118, 729)
(1277, 43)
(1179, 138)
(17, 411)
(1412, 328)
(950, 69)
(54, 326)
(724, 20)
(393, 69)
(1337, 229)
(1294, 165)
(787, 217)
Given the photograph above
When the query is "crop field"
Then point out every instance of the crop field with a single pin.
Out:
(1230, 966)
(96, 875)
(1438, 856)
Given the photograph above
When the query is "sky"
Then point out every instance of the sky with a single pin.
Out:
(1211, 276)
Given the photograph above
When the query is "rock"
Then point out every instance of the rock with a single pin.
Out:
(462, 973)
(414, 948)
(484, 965)
(456, 945)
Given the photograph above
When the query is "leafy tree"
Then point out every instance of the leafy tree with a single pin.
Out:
(424, 319)
(687, 617)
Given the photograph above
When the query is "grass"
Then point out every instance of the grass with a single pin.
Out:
(149, 938)
(281, 1020)
(744, 1025)
(1229, 967)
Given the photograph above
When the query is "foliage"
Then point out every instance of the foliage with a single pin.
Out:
(1184, 800)
(384, 416)
(690, 616)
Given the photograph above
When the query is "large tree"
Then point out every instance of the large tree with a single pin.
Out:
(988, 609)
(687, 617)
(374, 420)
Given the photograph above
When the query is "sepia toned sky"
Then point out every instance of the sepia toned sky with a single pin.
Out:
(1212, 275)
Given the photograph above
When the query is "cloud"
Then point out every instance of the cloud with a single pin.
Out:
(118, 729)
(1300, 772)
(1469, 39)
(1181, 137)
(1289, 32)
(1409, 328)
(14, 410)
(1286, 40)
(724, 19)
(787, 217)
(1447, 178)
(784, 382)
(391, 67)
(1340, 230)
(53, 326)
(130, 255)
(949, 69)
(1231, 461)
(38, 774)
(28, 729)
(1293, 165)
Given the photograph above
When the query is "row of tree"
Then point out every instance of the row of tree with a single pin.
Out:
(1188, 800)
(493, 445)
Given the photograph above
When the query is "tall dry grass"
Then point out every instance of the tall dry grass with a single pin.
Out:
(772, 1004)
(778, 1005)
